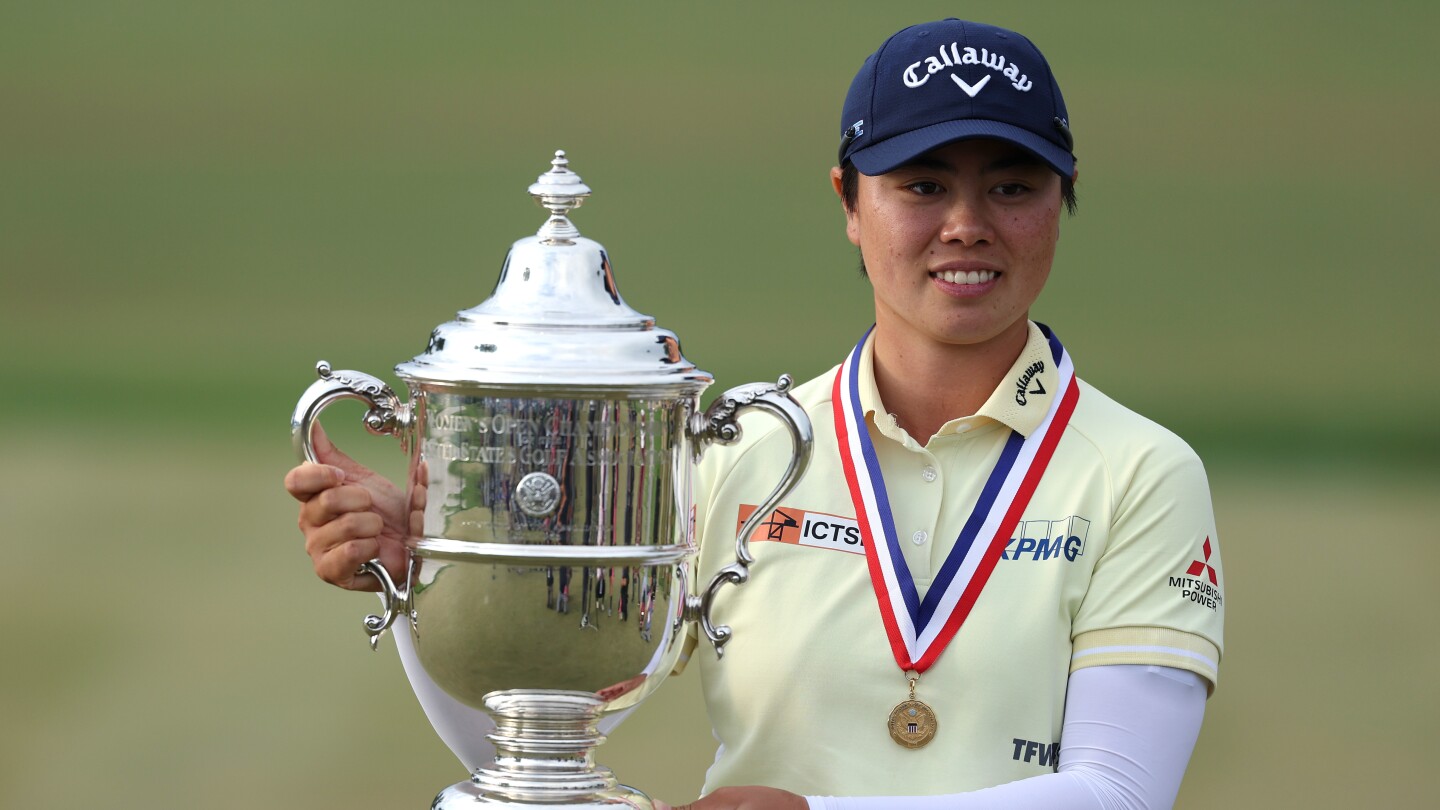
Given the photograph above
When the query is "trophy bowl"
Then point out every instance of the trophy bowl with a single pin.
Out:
(551, 433)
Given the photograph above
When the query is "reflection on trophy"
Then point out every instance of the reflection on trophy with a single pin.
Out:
(551, 433)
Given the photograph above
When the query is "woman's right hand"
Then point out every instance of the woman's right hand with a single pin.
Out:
(349, 515)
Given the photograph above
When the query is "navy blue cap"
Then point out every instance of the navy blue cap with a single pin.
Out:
(945, 81)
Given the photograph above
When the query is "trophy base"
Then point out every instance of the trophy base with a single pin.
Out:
(468, 796)
(544, 741)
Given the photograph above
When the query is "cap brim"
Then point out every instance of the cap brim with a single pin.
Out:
(892, 153)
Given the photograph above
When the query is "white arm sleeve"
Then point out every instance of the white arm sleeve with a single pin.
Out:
(462, 728)
(1128, 734)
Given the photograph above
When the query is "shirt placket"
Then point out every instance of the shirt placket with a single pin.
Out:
(915, 487)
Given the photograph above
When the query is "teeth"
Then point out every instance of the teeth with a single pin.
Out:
(962, 277)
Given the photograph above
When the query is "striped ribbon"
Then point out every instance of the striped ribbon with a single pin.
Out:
(920, 629)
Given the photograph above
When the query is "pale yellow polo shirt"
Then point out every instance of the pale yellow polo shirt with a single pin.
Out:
(1112, 563)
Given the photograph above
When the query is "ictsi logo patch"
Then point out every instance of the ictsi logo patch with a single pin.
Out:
(801, 528)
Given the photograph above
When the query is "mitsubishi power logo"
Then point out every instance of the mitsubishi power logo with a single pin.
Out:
(1203, 566)
(1200, 585)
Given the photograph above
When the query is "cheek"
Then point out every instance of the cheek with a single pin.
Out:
(904, 234)
(1038, 235)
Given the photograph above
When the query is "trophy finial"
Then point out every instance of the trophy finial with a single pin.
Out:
(559, 191)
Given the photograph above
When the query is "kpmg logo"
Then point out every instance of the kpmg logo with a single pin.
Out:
(1041, 540)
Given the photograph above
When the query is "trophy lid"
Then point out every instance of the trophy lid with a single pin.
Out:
(555, 318)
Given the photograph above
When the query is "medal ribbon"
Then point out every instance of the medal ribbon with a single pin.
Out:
(919, 629)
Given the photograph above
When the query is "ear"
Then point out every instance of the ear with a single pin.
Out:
(852, 224)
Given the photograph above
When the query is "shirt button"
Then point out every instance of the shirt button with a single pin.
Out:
(919, 538)
(962, 428)
(928, 473)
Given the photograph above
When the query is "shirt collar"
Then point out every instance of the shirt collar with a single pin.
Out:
(1020, 402)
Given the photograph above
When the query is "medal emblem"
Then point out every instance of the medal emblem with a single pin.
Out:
(913, 724)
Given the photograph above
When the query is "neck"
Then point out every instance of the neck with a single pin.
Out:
(926, 384)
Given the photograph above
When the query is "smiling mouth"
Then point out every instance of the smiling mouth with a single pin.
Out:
(966, 277)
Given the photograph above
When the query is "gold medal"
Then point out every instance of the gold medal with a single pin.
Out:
(912, 722)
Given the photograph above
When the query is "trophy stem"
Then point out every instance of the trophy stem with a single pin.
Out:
(544, 755)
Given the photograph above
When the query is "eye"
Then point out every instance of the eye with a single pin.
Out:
(924, 188)
(1011, 189)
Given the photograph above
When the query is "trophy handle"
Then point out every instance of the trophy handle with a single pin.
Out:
(387, 416)
(720, 424)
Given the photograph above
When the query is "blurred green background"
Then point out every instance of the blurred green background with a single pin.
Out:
(199, 200)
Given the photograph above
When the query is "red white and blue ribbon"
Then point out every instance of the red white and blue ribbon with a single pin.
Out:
(920, 629)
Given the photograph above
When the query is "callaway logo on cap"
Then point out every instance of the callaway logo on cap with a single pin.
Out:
(945, 81)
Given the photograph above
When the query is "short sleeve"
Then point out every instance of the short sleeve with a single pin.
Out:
(1156, 595)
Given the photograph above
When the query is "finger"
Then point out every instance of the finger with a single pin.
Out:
(340, 565)
(328, 453)
(319, 540)
(333, 503)
(357, 473)
(307, 480)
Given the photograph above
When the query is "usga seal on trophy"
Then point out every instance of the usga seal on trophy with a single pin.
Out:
(551, 433)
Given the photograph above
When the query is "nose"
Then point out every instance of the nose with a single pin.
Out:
(967, 222)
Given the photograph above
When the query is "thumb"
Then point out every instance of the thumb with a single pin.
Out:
(327, 453)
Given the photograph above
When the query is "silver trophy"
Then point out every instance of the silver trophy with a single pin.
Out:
(551, 432)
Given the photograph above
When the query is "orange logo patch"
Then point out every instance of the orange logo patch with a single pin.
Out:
(801, 528)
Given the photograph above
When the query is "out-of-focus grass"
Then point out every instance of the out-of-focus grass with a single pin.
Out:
(1324, 697)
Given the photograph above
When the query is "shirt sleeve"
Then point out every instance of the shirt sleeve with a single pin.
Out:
(1156, 593)
(1128, 735)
